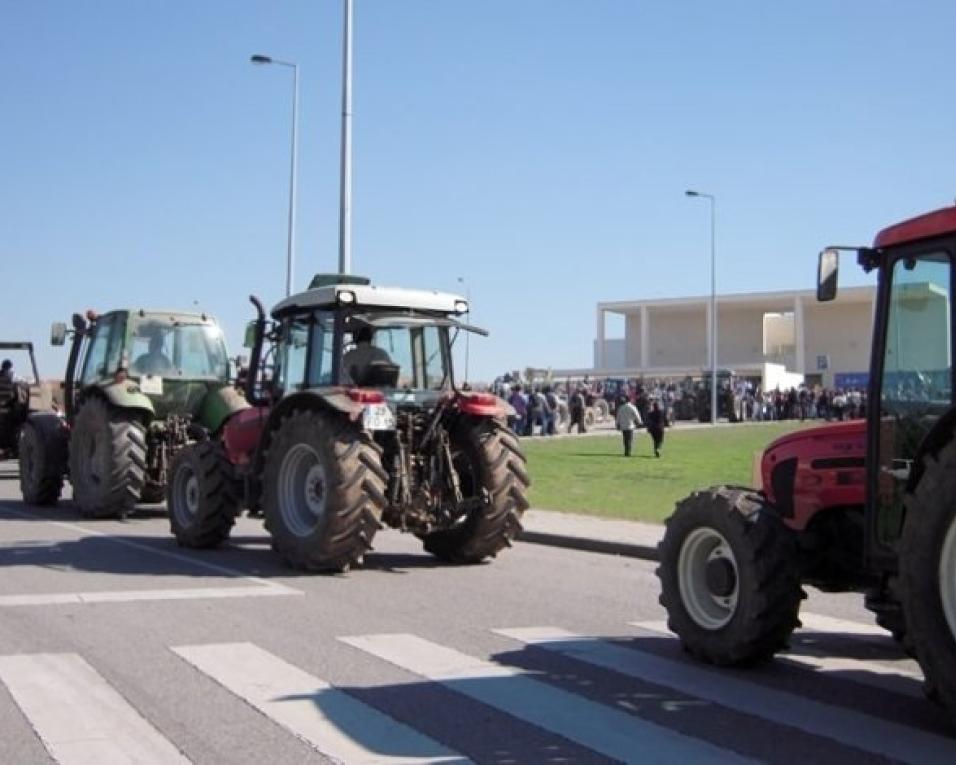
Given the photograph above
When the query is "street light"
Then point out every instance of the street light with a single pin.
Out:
(461, 280)
(713, 300)
(290, 256)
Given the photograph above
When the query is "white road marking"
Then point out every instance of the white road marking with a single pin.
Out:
(333, 722)
(821, 623)
(128, 596)
(598, 727)
(78, 716)
(871, 734)
(262, 587)
(893, 678)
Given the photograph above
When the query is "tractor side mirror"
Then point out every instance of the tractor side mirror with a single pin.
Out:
(249, 340)
(827, 270)
(58, 333)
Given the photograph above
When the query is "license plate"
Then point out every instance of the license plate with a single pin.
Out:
(378, 417)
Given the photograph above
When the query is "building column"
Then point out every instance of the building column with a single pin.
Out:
(599, 356)
(799, 336)
(645, 337)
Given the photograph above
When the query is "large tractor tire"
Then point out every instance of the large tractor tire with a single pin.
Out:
(928, 575)
(729, 577)
(201, 497)
(493, 478)
(323, 493)
(107, 460)
(42, 465)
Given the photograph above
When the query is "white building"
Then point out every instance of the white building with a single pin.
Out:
(671, 338)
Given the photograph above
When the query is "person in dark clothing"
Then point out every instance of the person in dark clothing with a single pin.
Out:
(655, 426)
(576, 411)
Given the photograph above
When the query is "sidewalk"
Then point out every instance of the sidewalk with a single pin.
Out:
(584, 532)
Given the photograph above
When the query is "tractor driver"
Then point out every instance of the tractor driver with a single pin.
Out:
(356, 362)
(155, 362)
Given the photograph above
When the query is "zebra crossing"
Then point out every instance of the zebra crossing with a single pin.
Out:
(588, 699)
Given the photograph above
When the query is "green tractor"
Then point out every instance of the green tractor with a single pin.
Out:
(139, 385)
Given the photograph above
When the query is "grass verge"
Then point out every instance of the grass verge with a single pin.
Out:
(590, 475)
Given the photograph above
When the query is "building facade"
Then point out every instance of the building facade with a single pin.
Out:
(825, 342)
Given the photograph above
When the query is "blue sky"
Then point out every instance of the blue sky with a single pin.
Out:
(539, 149)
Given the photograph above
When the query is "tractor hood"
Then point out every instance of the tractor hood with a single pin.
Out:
(847, 435)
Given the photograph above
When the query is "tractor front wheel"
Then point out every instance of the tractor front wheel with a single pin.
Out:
(729, 577)
(928, 574)
(107, 460)
(324, 491)
(201, 496)
(494, 480)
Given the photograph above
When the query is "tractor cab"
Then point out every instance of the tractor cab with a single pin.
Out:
(911, 370)
(161, 361)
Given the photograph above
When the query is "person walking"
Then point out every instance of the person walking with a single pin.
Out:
(576, 411)
(627, 419)
(656, 420)
(520, 404)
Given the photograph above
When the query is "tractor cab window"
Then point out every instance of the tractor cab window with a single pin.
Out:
(104, 350)
(178, 349)
(293, 351)
(404, 352)
(916, 387)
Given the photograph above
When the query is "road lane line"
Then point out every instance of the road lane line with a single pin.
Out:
(78, 716)
(129, 596)
(596, 726)
(332, 721)
(874, 673)
(876, 735)
(266, 587)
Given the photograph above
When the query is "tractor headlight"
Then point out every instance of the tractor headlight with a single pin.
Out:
(461, 306)
(346, 296)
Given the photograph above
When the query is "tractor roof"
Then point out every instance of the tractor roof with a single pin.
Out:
(924, 226)
(357, 291)
(160, 313)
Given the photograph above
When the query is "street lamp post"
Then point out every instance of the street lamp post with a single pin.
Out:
(461, 280)
(713, 300)
(290, 255)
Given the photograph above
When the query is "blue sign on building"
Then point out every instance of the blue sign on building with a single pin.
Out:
(847, 380)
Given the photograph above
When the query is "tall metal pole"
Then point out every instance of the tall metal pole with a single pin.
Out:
(713, 310)
(461, 280)
(713, 300)
(290, 258)
(345, 209)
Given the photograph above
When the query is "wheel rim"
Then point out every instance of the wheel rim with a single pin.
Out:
(185, 495)
(708, 578)
(302, 490)
(947, 576)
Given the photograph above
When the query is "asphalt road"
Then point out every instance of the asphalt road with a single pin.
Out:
(118, 646)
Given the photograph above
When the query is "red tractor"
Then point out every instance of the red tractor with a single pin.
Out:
(356, 422)
(865, 506)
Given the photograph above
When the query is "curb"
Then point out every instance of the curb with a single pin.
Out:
(606, 546)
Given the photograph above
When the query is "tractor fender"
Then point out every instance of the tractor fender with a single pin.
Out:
(333, 400)
(54, 434)
(218, 406)
(938, 436)
(126, 395)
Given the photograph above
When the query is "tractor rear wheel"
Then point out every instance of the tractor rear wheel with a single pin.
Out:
(41, 467)
(729, 577)
(323, 493)
(107, 460)
(492, 474)
(928, 574)
(201, 496)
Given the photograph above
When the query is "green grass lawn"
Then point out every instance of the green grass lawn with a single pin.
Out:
(591, 475)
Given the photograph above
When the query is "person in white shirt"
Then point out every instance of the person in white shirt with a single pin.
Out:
(627, 418)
